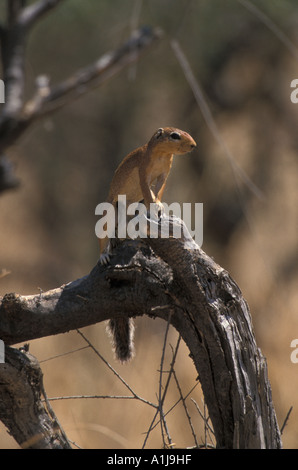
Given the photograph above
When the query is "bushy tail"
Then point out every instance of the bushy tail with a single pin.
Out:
(121, 331)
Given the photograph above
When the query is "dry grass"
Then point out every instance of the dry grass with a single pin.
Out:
(47, 237)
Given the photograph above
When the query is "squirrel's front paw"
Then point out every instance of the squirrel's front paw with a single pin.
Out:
(156, 210)
(104, 259)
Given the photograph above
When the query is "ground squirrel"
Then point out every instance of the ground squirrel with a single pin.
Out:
(134, 178)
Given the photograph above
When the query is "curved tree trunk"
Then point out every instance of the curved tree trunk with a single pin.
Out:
(206, 306)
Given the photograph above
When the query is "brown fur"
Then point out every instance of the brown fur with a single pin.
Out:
(134, 178)
(145, 165)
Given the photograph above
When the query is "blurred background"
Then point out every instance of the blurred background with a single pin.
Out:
(65, 163)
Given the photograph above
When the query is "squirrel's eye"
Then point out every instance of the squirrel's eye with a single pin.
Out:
(175, 136)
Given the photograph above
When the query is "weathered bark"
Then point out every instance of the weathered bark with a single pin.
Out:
(232, 370)
(30, 422)
(207, 308)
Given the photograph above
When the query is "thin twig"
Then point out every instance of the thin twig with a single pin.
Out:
(75, 444)
(161, 396)
(4, 272)
(177, 403)
(134, 25)
(271, 25)
(205, 427)
(205, 110)
(64, 354)
(36, 11)
(171, 371)
(186, 409)
(205, 419)
(53, 416)
(79, 397)
(286, 420)
(161, 399)
(115, 372)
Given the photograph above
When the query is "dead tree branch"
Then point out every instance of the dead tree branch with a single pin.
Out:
(32, 424)
(17, 116)
(33, 13)
(17, 113)
(175, 280)
(49, 99)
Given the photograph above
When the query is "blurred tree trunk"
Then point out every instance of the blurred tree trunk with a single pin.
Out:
(18, 114)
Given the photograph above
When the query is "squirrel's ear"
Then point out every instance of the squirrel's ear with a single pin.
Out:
(159, 133)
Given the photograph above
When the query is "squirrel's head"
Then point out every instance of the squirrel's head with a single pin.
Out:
(172, 140)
